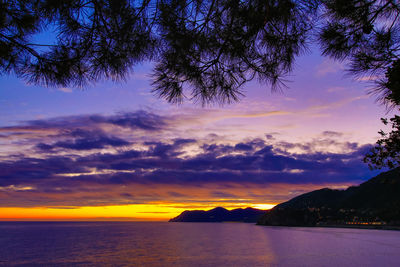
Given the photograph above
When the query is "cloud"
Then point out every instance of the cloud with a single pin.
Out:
(142, 120)
(65, 89)
(84, 140)
(337, 104)
(161, 165)
(219, 194)
(329, 66)
(134, 158)
(371, 78)
(332, 134)
(260, 114)
(85, 143)
(336, 89)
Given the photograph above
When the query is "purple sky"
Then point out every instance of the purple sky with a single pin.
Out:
(107, 141)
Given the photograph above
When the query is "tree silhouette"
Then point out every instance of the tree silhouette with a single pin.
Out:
(204, 50)
(386, 153)
(367, 34)
(209, 47)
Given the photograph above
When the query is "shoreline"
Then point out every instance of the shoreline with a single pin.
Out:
(370, 227)
(373, 227)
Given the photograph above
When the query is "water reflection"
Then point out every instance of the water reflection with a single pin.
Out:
(192, 244)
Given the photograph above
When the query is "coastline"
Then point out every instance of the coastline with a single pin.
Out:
(373, 227)
(370, 227)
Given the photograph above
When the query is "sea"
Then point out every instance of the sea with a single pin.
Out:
(192, 244)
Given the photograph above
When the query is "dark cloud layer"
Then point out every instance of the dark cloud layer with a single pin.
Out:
(163, 161)
(84, 140)
(142, 120)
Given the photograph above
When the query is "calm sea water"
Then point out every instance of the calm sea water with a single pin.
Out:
(192, 244)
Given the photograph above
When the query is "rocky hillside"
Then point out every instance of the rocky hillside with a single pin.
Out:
(375, 202)
(220, 215)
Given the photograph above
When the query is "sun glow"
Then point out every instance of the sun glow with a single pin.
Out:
(137, 212)
(263, 206)
(123, 212)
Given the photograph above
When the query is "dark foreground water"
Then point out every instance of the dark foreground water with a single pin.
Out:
(192, 244)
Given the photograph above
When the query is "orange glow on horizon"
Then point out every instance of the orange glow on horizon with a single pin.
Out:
(138, 212)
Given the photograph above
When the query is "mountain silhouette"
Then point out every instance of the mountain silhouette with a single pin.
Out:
(374, 202)
(220, 215)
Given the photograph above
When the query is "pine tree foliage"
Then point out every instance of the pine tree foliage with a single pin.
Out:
(367, 34)
(203, 50)
(386, 152)
(209, 48)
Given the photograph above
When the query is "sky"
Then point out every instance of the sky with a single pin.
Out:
(114, 151)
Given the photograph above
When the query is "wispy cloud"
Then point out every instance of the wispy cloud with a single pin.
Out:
(65, 89)
(337, 104)
(371, 78)
(329, 66)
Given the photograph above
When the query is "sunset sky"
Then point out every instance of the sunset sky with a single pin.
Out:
(114, 151)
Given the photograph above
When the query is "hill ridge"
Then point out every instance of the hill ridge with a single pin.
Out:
(220, 214)
(374, 202)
